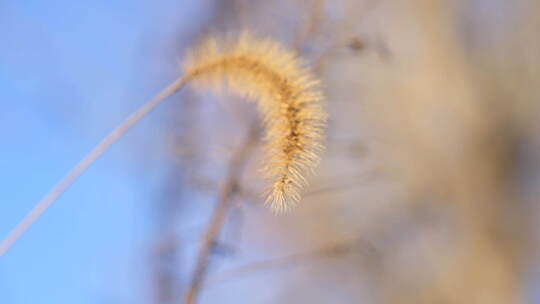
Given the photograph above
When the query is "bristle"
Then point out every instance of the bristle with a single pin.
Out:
(289, 100)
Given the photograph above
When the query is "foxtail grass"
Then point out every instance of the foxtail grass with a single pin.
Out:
(288, 97)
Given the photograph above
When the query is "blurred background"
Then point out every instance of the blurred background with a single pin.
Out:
(427, 191)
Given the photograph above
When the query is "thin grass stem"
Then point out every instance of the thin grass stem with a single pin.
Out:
(85, 163)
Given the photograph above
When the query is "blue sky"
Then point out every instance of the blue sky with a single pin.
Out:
(70, 71)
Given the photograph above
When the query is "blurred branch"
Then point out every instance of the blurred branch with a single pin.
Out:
(313, 24)
(331, 250)
(229, 191)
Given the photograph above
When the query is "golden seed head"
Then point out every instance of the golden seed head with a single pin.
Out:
(289, 99)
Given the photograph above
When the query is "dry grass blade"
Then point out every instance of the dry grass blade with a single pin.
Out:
(229, 191)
